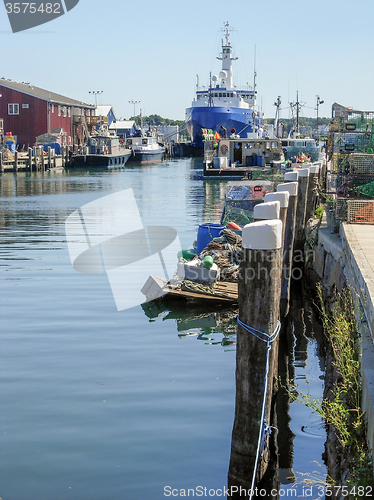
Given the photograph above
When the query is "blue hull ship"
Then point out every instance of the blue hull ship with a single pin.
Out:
(222, 107)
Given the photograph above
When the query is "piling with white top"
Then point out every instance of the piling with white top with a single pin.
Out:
(288, 242)
(312, 198)
(256, 362)
(291, 176)
(283, 199)
(303, 181)
(266, 211)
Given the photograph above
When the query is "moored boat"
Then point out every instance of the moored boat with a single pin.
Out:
(145, 147)
(294, 147)
(222, 105)
(103, 149)
(236, 157)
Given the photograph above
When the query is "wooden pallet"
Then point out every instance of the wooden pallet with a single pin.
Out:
(223, 292)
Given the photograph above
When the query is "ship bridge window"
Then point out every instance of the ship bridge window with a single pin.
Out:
(274, 145)
(220, 94)
(224, 94)
(215, 94)
(144, 141)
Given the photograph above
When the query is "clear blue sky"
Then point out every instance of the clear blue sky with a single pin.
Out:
(151, 51)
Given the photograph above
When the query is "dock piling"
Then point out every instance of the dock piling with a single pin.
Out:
(312, 198)
(283, 198)
(266, 211)
(288, 242)
(30, 158)
(15, 165)
(256, 363)
(1, 162)
(49, 157)
(302, 194)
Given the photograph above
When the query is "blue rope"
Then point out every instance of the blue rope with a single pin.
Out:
(265, 430)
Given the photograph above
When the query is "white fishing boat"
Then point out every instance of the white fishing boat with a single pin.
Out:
(145, 147)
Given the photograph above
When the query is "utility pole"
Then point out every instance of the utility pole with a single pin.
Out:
(134, 103)
(318, 103)
(95, 93)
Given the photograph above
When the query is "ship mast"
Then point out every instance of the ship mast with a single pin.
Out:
(226, 58)
(210, 97)
(276, 120)
(298, 105)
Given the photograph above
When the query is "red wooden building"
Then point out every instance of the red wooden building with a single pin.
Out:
(30, 111)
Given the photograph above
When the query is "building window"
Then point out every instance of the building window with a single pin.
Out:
(59, 111)
(69, 112)
(53, 108)
(64, 109)
(25, 106)
(13, 109)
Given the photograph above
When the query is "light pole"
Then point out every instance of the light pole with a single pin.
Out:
(95, 93)
(318, 103)
(134, 103)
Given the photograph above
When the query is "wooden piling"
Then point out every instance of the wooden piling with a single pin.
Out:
(312, 198)
(49, 157)
(288, 241)
(15, 164)
(259, 294)
(303, 181)
(30, 159)
(283, 198)
(42, 158)
(1, 162)
(35, 158)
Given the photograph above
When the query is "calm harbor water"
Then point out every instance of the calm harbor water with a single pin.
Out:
(100, 404)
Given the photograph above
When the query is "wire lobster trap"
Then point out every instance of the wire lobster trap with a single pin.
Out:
(331, 183)
(361, 164)
(360, 211)
(341, 209)
(354, 211)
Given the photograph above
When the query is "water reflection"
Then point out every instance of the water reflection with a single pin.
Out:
(214, 325)
(302, 333)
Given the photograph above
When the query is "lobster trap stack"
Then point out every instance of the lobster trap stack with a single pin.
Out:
(351, 178)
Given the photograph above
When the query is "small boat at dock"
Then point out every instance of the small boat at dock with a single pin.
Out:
(145, 147)
(103, 149)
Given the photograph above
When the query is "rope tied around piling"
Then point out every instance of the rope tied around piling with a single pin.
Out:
(268, 338)
(265, 429)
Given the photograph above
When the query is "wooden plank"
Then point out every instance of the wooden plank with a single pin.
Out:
(227, 292)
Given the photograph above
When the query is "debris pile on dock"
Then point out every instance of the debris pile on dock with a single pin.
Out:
(226, 252)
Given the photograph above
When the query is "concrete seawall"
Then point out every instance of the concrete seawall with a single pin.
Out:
(347, 259)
